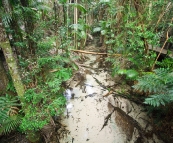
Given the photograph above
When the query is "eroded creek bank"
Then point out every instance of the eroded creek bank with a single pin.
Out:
(94, 117)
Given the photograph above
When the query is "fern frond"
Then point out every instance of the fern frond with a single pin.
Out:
(156, 82)
(160, 84)
(10, 124)
(158, 99)
(8, 108)
(150, 83)
(6, 19)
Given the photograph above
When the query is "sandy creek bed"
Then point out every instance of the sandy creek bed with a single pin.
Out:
(88, 111)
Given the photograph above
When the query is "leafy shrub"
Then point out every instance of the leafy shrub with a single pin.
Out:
(44, 101)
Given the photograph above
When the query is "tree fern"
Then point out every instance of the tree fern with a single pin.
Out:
(159, 85)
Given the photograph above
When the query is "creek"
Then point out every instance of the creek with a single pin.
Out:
(93, 117)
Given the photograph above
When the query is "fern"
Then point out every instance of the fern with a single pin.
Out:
(158, 99)
(154, 82)
(10, 124)
(6, 105)
(166, 63)
(6, 19)
(9, 118)
(64, 74)
(160, 86)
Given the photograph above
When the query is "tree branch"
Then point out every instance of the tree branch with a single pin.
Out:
(167, 37)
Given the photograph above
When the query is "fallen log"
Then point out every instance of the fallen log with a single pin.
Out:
(94, 53)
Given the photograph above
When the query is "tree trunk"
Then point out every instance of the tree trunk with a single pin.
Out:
(11, 62)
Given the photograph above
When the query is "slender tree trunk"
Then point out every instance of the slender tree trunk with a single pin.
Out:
(11, 62)
(15, 33)
(76, 28)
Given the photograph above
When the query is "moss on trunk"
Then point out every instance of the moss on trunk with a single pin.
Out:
(12, 65)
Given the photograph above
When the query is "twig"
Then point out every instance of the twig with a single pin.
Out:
(107, 94)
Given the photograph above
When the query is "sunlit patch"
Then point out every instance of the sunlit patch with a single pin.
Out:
(69, 106)
(89, 89)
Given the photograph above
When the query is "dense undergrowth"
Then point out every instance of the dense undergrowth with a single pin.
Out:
(42, 35)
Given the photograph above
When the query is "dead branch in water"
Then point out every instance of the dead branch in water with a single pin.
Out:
(107, 118)
(94, 53)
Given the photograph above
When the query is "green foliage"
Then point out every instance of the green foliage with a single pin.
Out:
(63, 1)
(159, 99)
(9, 118)
(55, 108)
(5, 106)
(166, 63)
(10, 87)
(10, 124)
(158, 85)
(130, 74)
(79, 6)
(44, 64)
(6, 19)
(124, 28)
(80, 30)
(46, 99)
(45, 45)
(63, 74)
(129, 30)
(32, 121)
(40, 106)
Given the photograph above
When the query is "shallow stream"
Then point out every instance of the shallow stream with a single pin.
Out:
(92, 117)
